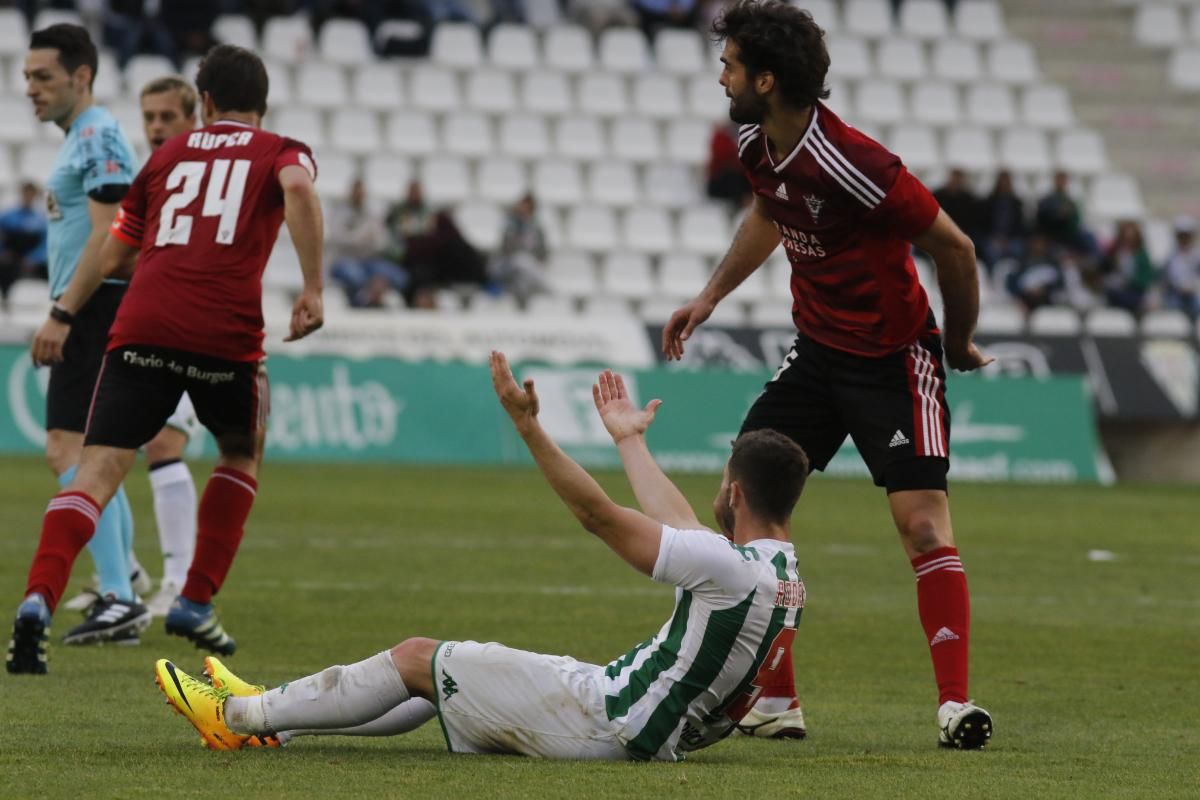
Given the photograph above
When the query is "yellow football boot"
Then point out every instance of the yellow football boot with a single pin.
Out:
(223, 678)
(201, 704)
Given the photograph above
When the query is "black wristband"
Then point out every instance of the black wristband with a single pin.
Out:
(60, 314)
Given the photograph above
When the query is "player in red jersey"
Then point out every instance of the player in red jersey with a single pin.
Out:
(200, 220)
(868, 357)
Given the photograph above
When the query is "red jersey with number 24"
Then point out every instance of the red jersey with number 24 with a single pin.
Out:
(205, 212)
(846, 209)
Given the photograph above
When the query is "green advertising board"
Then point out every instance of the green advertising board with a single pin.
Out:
(334, 408)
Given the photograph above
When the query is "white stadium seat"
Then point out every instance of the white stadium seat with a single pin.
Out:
(670, 185)
(457, 45)
(612, 183)
(604, 306)
(356, 131)
(321, 85)
(1109, 322)
(144, 68)
(411, 133)
(1081, 151)
(378, 86)
(557, 183)
(30, 293)
(626, 274)
(280, 92)
(1158, 25)
(924, 19)
(982, 20)
(602, 94)
(848, 58)
(345, 41)
(491, 91)
(128, 114)
(501, 180)
(1012, 61)
(481, 222)
(1166, 324)
(580, 138)
(54, 16)
(287, 39)
(513, 47)
(916, 145)
(235, 29)
(543, 14)
(681, 276)
(8, 173)
(1184, 68)
(902, 59)
(1001, 320)
(936, 103)
(1116, 197)
(572, 273)
(1025, 150)
(957, 60)
(545, 93)
(107, 86)
(551, 305)
(658, 96)
(636, 139)
(387, 177)
(688, 141)
(434, 89)
(1194, 23)
(444, 179)
(706, 98)
(1054, 321)
(466, 134)
(1047, 106)
(647, 229)
(839, 98)
(524, 137)
(682, 52)
(623, 51)
(971, 149)
(824, 13)
(591, 228)
(868, 18)
(704, 229)
(336, 171)
(990, 105)
(17, 123)
(14, 34)
(304, 124)
(880, 102)
(568, 48)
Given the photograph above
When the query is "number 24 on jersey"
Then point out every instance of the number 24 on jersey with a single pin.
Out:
(226, 185)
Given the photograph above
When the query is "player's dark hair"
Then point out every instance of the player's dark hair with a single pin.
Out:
(234, 78)
(773, 36)
(74, 46)
(771, 470)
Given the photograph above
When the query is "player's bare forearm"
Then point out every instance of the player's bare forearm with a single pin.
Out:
(88, 274)
(753, 242)
(578, 490)
(658, 497)
(305, 222)
(958, 278)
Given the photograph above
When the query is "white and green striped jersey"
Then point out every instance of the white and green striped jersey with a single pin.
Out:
(685, 687)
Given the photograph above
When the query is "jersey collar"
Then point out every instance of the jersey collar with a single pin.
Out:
(812, 123)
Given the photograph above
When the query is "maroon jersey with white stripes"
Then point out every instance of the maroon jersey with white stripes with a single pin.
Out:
(205, 212)
(846, 208)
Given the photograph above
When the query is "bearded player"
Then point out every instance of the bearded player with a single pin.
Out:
(195, 229)
(868, 357)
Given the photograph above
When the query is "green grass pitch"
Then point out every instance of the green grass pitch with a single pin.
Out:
(1089, 667)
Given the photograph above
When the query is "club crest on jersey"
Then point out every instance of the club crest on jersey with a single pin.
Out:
(814, 204)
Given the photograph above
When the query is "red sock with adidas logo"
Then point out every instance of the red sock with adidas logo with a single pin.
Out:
(220, 523)
(945, 609)
(69, 523)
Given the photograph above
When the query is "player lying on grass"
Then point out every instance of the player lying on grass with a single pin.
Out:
(682, 689)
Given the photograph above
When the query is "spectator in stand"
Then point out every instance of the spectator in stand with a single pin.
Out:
(654, 15)
(1004, 227)
(1041, 280)
(22, 241)
(963, 205)
(137, 26)
(1060, 220)
(190, 25)
(1126, 271)
(432, 249)
(356, 240)
(1182, 271)
(726, 177)
(520, 265)
(596, 15)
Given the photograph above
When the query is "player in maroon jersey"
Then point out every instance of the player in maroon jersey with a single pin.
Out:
(868, 357)
(199, 221)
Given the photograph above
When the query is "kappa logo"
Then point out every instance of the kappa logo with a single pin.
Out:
(814, 205)
(781, 192)
(899, 440)
(943, 635)
(450, 687)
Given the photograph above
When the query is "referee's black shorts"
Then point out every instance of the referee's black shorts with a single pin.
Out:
(72, 380)
(893, 407)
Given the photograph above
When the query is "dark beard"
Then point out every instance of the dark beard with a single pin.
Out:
(748, 109)
(726, 519)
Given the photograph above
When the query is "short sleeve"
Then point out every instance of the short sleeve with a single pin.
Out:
(701, 560)
(296, 153)
(908, 209)
(104, 157)
(130, 222)
(749, 147)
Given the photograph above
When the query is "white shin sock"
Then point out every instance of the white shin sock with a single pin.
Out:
(175, 513)
(338, 697)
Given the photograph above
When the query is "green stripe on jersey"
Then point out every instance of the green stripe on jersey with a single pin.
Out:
(613, 670)
(661, 659)
(719, 637)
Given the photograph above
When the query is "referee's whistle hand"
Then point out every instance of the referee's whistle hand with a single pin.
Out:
(48, 342)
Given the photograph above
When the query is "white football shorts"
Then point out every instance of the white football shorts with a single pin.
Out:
(184, 419)
(494, 699)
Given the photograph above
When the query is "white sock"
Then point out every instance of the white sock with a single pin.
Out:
(175, 513)
(338, 697)
(408, 716)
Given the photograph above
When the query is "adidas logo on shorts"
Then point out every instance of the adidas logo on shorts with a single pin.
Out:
(899, 440)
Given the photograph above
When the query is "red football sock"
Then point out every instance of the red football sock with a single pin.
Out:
(775, 676)
(219, 526)
(945, 608)
(67, 527)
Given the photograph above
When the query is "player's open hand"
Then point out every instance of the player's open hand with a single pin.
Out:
(520, 403)
(307, 315)
(679, 328)
(48, 343)
(621, 417)
(967, 359)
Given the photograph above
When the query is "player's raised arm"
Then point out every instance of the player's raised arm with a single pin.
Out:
(627, 424)
(958, 277)
(756, 237)
(302, 212)
(631, 535)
